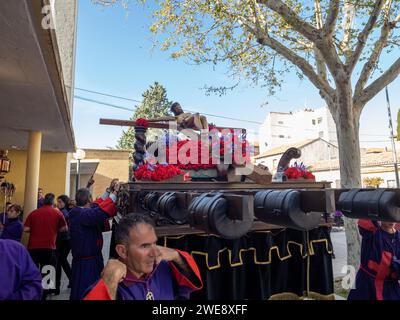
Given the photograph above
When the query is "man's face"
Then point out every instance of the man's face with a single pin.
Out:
(141, 252)
(40, 193)
(388, 225)
(177, 110)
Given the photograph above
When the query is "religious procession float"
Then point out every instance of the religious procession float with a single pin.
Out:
(253, 235)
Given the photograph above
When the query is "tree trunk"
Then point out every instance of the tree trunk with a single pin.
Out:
(347, 118)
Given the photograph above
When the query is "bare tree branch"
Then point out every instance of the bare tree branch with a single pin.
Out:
(301, 26)
(333, 13)
(349, 14)
(363, 36)
(319, 60)
(370, 65)
(375, 87)
(326, 90)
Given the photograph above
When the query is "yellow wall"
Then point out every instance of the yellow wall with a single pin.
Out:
(113, 164)
(52, 173)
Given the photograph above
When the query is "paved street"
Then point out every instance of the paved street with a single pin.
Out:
(340, 249)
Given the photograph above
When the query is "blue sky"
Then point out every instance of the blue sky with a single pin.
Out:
(115, 56)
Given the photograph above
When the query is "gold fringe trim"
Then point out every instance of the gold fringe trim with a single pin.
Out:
(269, 254)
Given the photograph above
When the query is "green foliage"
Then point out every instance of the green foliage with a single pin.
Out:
(398, 125)
(232, 32)
(155, 104)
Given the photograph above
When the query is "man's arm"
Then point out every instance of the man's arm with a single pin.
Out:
(103, 209)
(367, 228)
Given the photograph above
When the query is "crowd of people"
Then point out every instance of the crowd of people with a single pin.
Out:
(142, 269)
(61, 226)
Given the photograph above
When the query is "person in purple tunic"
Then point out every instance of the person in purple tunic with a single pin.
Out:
(13, 227)
(87, 221)
(379, 273)
(40, 199)
(144, 270)
(20, 279)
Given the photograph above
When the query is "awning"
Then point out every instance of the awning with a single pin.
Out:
(87, 167)
(32, 90)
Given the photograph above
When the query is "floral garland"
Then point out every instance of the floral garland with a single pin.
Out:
(157, 172)
(299, 171)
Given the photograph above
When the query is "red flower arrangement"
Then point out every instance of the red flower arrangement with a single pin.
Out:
(190, 145)
(142, 122)
(205, 149)
(299, 171)
(157, 172)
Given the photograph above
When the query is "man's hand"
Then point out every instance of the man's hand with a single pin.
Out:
(172, 255)
(1, 226)
(113, 273)
(168, 254)
(90, 183)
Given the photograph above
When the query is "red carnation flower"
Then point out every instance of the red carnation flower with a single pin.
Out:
(142, 122)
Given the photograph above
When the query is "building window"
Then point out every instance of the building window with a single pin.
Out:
(391, 183)
(319, 120)
(313, 122)
(281, 136)
(280, 122)
(321, 134)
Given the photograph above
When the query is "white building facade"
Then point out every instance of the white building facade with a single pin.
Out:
(282, 128)
(312, 151)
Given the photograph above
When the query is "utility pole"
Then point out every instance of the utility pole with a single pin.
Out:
(392, 138)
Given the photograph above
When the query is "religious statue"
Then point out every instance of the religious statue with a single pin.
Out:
(185, 120)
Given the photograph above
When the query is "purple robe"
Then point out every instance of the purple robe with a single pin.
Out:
(86, 227)
(161, 285)
(13, 230)
(378, 276)
(40, 203)
(165, 282)
(20, 279)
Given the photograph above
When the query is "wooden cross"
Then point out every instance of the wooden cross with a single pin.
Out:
(156, 125)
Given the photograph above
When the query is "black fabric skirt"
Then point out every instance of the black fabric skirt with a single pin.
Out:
(273, 264)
